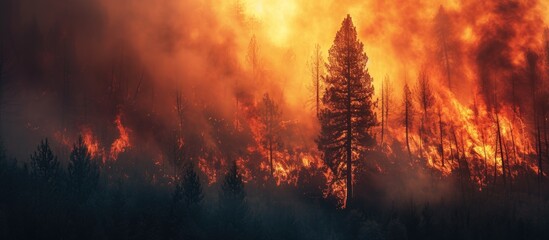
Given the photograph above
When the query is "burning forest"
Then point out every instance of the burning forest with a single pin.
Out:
(266, 119)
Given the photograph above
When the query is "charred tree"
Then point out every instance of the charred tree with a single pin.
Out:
(253, 58)
(270, 120)
(347, 113)
(532, 59)
(442, 31)
(441, 135)
(500, 143)
(426, 100)
(482, 137)
(545, 129)
(407, 116)
(385, 103)
(317, 71)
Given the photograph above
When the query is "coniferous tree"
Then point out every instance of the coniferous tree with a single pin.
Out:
(192, 191)
(426, 100)
(270, 119)
(83, 172)
(407, 116)
(186, 205)
(443, 30)
(233, 208)
(347, 114)
(253, 58)
(317, 71)
(44, 164)
(386, 94)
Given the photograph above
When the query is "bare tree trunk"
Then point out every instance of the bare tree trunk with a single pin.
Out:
(447, 61)
(465, 164)
(407, 134)
(501, 151)
(514, 147)
(441, 136)
(546, 119)
(271, 157)
(270, 132)
(540, 161)
(317, 66)
(485, 155)
(382, 112)
(421, 138)
(460, 165)
(508, 166)
(496, 160)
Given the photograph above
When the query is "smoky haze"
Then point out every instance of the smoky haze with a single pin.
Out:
(74, 65)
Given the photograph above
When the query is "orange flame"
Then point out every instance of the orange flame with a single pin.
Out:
(122, 142)
(92, 144)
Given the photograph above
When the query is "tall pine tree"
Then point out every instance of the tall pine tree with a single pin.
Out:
(270, 121)
(83, 173)
(233, 208)
(44, 164)
(347, 114)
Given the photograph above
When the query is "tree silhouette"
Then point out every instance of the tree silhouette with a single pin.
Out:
(347, 113)
(443, 28)
(44, 164)
(386, 93)
(253, 58)
(317, 71)
(270, 119)
(426, 100)
(186, 204)
(407, 115)
(192, 191)
(83, 173)
(233, 208)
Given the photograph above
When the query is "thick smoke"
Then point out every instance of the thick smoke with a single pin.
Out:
(79, 64)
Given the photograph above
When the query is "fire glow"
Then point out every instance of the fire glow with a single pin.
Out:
(486, 64)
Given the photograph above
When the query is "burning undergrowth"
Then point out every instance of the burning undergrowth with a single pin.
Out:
(216, 83)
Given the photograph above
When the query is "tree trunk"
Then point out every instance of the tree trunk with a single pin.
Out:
(495, 160)
(540, 162)
(485, 155)
(503, 165)
(317, 86)
(447, 61)
(441, 136)
(407, 123)
(408, 142)
(271, 157)
(421, 138)
(546, 136)
(382, 112)
(349, 139)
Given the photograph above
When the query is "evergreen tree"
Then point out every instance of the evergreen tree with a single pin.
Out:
(347, 113)
(44, 164)
(407, 115)
(317, 71)
(191, 191)
(443, 30)
(426, 100)
(83, 173)
(270, 120)
(233, 208)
